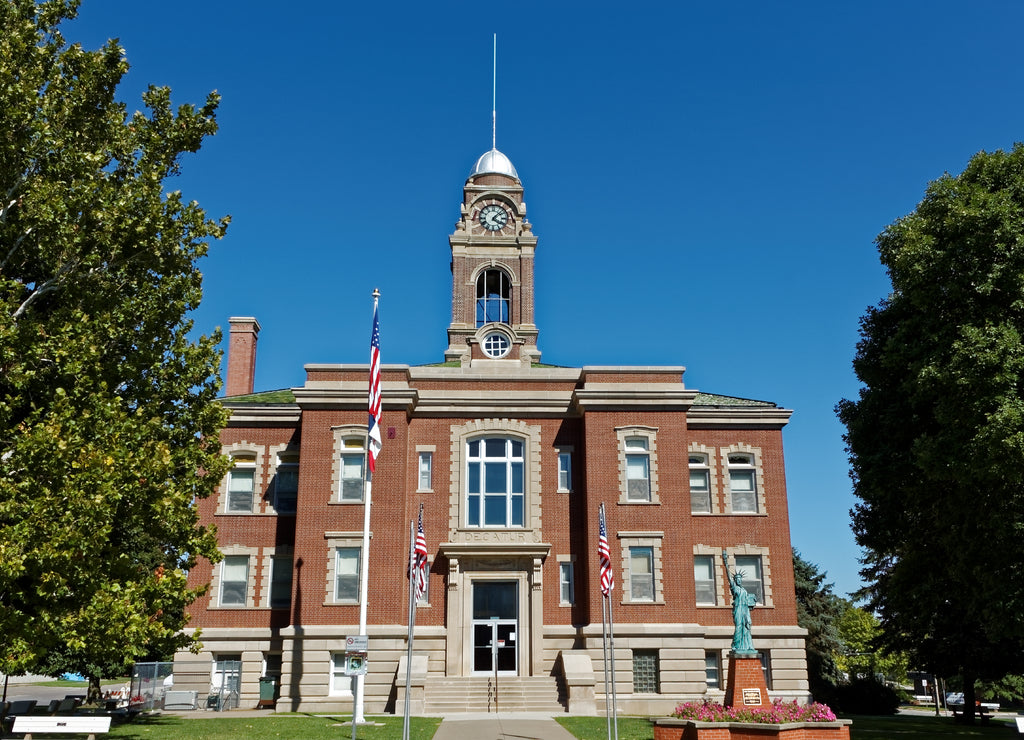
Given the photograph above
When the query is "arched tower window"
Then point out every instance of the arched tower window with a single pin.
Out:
(493, 297)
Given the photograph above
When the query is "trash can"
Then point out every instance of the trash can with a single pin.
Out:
(268, 691)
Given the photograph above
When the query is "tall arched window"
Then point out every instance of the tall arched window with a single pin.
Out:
(493, 297)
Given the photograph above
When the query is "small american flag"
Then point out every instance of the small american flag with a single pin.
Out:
(604, 555)
(373, 425)
(419, 560)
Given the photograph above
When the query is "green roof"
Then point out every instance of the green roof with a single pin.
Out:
(711, 399)
(284, 395)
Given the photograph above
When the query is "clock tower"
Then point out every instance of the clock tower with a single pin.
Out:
(492, 270)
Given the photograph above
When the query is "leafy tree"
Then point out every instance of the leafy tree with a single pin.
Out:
(862, 654)
(818, 611)
(108, 418)
(936, 436)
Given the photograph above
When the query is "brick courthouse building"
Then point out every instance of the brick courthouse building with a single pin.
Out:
(510, 459)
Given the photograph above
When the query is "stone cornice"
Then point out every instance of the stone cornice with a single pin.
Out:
(702, 417)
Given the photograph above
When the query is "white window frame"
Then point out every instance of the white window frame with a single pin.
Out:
(638, 444)
(752, 567)
(750, 469)
(713, 663)
(243, 465)
(476, 478)
(566, 580)
(339, 552)
(653, 541)
(766, 570)
(712, 567)
(425, 469)
(564, 469)
(235, 561)
(349, 448)
(219, 672)
(338, 684)
(699, 466)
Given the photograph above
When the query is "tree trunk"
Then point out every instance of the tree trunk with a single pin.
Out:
(92, 696)
(969, 697)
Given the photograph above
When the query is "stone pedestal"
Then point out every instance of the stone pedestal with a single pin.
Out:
(745, 686)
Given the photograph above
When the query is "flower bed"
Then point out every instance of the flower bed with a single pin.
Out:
(710, 721)
(778, 713)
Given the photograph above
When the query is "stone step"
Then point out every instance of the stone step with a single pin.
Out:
(476, 694)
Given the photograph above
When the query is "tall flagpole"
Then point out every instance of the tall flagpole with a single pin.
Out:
(611, 649)
(412, 625)
(373, 445)
(604, 649)
(607, 579)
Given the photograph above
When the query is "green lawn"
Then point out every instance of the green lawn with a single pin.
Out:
(596, 728)
(307, 727)
(901, 727)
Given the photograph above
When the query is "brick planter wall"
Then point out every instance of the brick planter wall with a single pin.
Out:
(688, 729)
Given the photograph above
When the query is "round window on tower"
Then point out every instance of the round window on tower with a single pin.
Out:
(496, 345)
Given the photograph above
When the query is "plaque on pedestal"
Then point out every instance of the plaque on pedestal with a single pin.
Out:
(745, 686)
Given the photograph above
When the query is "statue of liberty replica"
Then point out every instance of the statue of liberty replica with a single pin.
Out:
(742, 602)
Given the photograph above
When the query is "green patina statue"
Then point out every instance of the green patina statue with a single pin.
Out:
(742, 602)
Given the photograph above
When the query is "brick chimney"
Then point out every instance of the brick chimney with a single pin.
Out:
(242, 355)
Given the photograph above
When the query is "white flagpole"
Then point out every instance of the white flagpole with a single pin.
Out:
(358, 716)
(604, 648)
(611, 649)
(412, 625)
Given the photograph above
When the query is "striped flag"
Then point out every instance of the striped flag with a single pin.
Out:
(604, 555)
(373, 425)
(419, 560)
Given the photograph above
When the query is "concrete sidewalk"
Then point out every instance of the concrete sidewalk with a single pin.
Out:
(510, 726)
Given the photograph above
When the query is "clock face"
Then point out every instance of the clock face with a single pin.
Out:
(493, 217)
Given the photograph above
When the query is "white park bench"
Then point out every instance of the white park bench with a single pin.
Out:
(69, 725)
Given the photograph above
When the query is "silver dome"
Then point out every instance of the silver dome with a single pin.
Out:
(496, 162)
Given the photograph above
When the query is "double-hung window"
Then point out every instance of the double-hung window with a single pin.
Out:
(566, 586)
(564, 470)
(346, 574)
(494, 482)
(234, 580)
(638, 469)
(704, 580)
(743, 483)
(700, 484)
(753, 578)
(241, 484)
(353, 454)
(713, 670)
(425, 471)
(641, 573)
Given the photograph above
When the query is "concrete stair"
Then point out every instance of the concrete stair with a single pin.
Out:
(454, 695)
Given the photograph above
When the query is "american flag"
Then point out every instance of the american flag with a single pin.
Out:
(373, 425)
(604, 555)
(419, 560)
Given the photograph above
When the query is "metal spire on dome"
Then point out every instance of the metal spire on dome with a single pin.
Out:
(494, 97)
(493, 160)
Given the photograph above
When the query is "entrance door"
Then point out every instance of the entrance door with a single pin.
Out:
(495, 627)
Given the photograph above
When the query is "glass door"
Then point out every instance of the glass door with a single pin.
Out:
(495, 627)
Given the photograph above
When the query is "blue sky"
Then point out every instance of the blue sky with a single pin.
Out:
(726, 165)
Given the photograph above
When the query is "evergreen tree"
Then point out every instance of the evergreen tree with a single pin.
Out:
(818, 611)
(108, 419)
